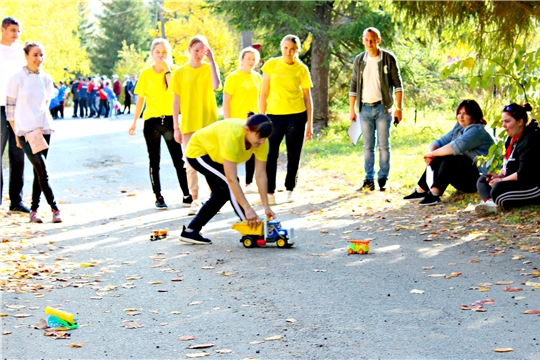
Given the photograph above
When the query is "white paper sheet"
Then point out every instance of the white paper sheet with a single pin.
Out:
(429, 177)
(355, 130)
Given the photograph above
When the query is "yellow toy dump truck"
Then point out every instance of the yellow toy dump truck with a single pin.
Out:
(358, 247)
(267, 232)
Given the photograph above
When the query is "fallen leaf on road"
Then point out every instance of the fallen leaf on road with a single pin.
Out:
(162, 324)
(79, 345)
(226, 273)
(323, 231)
(40, 325)
(275, 337)
(484, 289)
(454, 274)
(416, 291)
(503, 350)
(474, 260)
(95, 298)
(519, 298)
(155, 282)
(485, 284)
(533, 284)
(478, 309)
(128, 285)
(512, 289)
(224, 351)
(4, 315)
(256, 342)
(57, 334)
(128, 262)
(133, 277)
(197, 355)
(483, 301)
(6, 332)
(162, 290)
(436, 275)
(133, 313)
(504, 282)
(175, 313)
(177, 279)
(132, 325)
(154, 311)
(186, 338)
(518, 257)
(531, 312)
(20, 316)
(291, 320)
(200, 346)
(318, 270)
(208, 267)
(346, 232)
(195, 303)
(428, 267)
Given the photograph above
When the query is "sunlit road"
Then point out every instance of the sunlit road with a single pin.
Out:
(134, 297)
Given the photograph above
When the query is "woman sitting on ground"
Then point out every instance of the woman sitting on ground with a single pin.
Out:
(518, 183)
(215, 151)
(453, 157)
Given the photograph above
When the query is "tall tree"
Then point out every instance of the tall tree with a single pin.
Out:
(332, 31)
(127, 20)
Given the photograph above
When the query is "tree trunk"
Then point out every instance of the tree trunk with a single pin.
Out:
(320, 68)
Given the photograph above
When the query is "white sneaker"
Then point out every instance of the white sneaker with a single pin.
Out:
(289, 198)
(251, 189)
(487, 207)
(271, 199)
(194, 208)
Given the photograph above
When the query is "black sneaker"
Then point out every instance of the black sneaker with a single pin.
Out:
(382, 184)
(416, 195)
(430, 200)
(192, 237)
(187, 201)
(368, 185)
(19, 208)
(160, 203)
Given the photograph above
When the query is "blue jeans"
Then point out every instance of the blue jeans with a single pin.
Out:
(374, 119)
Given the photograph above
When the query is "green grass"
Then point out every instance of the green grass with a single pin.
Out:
(332, 151)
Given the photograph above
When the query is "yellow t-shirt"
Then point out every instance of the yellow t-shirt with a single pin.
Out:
(225, 140)
(244, 90)
(197, 99)
(158, 98)
(286, 84)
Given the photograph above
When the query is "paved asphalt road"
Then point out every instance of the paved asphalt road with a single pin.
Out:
(316, 300)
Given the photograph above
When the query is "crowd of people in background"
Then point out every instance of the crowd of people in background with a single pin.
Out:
(94, 97)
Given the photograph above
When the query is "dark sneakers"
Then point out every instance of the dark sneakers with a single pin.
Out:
(160, 203)
(192, 237)
(187, 201)
(19, 208)
(416, 195)
(368, 185)
(382, 184)
(431, 200)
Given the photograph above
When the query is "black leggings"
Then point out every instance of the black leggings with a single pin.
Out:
(292, 127)
(41, 177)
(154, 129)
(509, 194)
(221, 193)
(456, 170)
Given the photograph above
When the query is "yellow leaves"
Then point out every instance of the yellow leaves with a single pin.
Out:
(503, 350)
(79, 345)
(468, 63)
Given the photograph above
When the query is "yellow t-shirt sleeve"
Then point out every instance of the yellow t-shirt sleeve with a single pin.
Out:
(175, 82)
(305, 82)
(261, 153)
(231, 83)
(141, 87)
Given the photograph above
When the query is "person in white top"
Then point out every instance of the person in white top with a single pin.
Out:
(28, 95)
(12, 60)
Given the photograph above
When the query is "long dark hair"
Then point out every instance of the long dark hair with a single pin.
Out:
(260, 124)
(473, 110)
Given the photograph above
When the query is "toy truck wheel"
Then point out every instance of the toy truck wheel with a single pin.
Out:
(249, 242)
(350, 251)
(281, 243)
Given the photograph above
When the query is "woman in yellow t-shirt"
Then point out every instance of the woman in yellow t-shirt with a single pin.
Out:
(215, 152)
(286, 98)
(193, 85)
(154, 90)
(241, 96)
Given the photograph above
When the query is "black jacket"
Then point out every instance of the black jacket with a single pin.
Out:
(526, 155)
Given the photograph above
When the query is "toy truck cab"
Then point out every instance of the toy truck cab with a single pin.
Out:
(267, 232)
